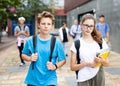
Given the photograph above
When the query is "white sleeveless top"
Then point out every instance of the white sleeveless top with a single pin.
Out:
(87, 53)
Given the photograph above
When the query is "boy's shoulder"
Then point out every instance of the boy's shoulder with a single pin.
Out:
(29, 38)
(58, 42)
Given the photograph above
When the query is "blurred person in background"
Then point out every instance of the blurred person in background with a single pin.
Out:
(22, 33)
(64, 37)
(75, 30)
(103, 28)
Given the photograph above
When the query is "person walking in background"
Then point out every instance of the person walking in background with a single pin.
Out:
(88, 73)
(21, 32)
(43, 72)
(103, 28)
(64, 36)
(75, 30)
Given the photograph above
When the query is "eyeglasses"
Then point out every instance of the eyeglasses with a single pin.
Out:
(86, 26)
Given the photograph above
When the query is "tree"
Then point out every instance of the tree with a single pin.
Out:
(7, 10)
(32, 8)
(12, 8)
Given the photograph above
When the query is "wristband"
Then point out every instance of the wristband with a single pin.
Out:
(56, 66)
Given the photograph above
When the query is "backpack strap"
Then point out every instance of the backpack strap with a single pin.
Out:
(34, 42)
(77, 46)
(52, 44)
(34, 39)
(23, 28)
(19, 27)
(100, 44)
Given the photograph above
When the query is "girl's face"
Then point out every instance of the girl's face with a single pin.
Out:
(21, 22)
(88, 26)
(45, 26)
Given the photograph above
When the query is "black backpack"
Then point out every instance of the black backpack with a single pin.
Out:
(52, 44)
(23, 28)
(77, 46)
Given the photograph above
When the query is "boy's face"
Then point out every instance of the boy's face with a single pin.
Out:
(45, 26)
(102, 19)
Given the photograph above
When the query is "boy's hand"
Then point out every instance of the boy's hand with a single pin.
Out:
(34, 57)
(50, 66)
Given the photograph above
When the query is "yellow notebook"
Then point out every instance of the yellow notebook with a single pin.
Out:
(102, 55)
(106, 39)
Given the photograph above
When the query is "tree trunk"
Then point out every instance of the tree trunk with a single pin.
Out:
(1, 30)
(9, 24)
(0, 36)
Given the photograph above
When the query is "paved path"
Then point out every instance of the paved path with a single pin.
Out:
(13, 75)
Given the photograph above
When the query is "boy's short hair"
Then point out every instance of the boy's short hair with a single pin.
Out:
(101, 16)
(45, 14)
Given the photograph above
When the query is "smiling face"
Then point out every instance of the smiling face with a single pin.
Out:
(45, 25)
(88, 26)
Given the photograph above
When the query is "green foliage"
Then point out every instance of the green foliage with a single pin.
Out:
(5, 11)
(5, 6)
(34, 7)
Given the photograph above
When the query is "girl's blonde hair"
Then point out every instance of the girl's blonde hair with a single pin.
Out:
(95, 34)
(45, 14)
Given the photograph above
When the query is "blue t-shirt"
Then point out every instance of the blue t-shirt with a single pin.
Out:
(103, 28)
(41, 76)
